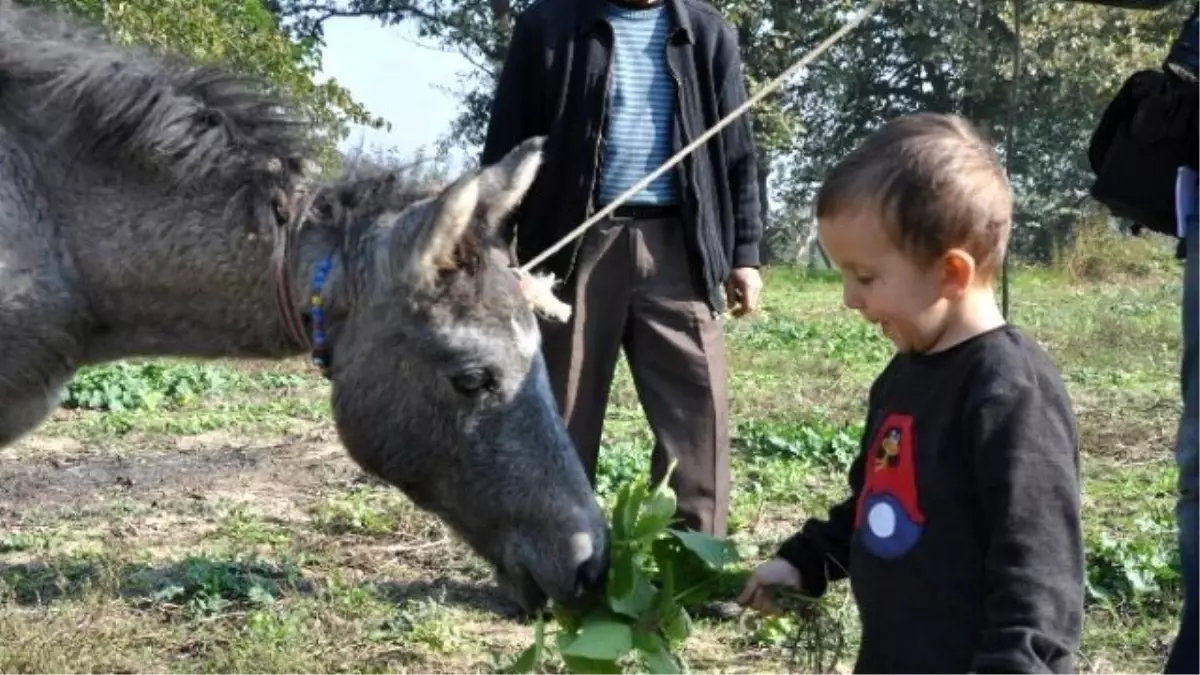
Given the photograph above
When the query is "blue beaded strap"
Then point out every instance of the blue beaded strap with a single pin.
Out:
(320, 344)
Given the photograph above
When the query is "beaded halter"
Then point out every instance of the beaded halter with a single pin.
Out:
(320, 340)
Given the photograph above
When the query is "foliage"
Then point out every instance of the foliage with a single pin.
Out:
(244, 34)
(956, 56)
(817, 443)
(621, 462)
(209, 586)
(141, 386)
(1134, 570)
(656, 573)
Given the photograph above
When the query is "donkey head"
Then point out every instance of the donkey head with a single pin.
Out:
(439, 383)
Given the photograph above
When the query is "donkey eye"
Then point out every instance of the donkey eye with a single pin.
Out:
(473, 381)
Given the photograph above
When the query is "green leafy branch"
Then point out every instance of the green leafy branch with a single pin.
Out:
(656, 572)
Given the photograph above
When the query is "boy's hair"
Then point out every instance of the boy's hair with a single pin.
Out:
(937, 183)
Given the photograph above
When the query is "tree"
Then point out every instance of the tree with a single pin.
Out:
(955, 56)
(245, 34)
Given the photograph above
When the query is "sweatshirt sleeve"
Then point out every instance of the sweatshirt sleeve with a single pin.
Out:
(1025, 460)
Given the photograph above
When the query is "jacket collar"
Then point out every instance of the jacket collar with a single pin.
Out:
(592, 13)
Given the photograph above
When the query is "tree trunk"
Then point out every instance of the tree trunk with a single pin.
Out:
(762, 165)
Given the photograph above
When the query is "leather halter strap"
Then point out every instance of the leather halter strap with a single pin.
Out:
(281, 266)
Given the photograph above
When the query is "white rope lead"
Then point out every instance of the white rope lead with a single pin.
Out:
(641, 185)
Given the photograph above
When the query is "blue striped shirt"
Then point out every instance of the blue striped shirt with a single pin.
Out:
(641, 107)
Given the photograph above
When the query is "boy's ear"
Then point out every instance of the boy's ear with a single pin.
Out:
(958, 272)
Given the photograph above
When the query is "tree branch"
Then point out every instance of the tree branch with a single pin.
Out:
(310, 18)
(389, 13)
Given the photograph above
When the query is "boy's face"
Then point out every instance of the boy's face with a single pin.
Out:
(883, 283)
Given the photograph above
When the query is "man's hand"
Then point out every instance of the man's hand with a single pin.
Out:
(742, 291)
(774, 572)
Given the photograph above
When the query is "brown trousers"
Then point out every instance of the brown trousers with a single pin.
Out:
(633, 288)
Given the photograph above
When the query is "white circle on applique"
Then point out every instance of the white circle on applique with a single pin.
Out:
(882, 520)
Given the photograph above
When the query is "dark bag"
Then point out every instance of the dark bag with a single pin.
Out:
(1146, 133)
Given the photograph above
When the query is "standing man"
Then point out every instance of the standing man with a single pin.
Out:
(619, 86)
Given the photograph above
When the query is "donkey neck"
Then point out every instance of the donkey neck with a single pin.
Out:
(182, 278)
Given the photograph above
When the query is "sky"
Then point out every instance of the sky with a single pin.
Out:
(394, 75)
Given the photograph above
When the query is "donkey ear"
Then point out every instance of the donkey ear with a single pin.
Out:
(503, 184)
(454, 211)
(490, 193)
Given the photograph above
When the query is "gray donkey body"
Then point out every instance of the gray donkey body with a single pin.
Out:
(150, 207)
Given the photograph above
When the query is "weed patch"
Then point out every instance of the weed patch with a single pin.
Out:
(817, 442)
(124, 386)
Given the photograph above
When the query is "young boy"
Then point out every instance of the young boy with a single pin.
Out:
(961, 536)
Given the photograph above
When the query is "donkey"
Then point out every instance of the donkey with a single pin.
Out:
(157, 208)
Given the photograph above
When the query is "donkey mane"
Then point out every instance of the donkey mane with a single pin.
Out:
(137, 110)
(350, 204)
(364, 190)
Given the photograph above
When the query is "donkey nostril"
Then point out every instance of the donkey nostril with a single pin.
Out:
(591, 574)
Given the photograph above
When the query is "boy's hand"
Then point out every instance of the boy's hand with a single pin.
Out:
(774, 572)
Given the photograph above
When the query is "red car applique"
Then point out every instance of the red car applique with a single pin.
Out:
(888, 518)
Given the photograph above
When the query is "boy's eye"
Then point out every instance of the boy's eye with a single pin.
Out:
(864, 280)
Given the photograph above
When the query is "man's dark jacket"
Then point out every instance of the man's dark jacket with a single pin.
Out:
(555, 83)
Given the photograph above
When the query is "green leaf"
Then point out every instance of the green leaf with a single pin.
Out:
(622, 574)
(602, 639)
(691, 579)
(563, 640)
(658, 513)
(677, 626)
(659, 510)
(656, 654)
(625, 512)
(635, 603)
(715, 552)
(664, 558)
(568, 622)
(576, 664)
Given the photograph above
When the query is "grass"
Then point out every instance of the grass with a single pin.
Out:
(183, 517)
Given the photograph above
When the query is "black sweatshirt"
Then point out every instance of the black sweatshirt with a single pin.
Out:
(961, 535)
